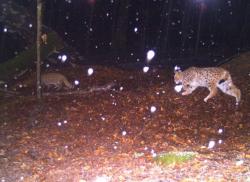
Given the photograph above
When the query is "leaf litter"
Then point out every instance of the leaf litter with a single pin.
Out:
(114, 134)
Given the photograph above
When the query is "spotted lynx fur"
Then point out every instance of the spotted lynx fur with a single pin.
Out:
(211, 78)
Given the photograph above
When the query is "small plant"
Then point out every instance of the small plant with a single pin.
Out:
(174, 157)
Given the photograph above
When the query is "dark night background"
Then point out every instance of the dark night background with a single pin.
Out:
(115, 31)
(98, 109)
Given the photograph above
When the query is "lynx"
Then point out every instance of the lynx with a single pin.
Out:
(56, 80)
(211, 78)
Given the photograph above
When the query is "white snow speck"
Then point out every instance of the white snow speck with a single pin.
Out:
(59, 124)
(121, 88)
(220, 131)
(135, 29)
(220, 141)
(64, 58)
(177, 68)
(211, 144)
(152, 109)
(90, 71)
(5, 30)
(124, 133)
(153, 153)
(178, 88)
(76, 82)
(102, 179)
(65, 121)
(150, 55)
(5, 86)
(145, 69)
(239, 162)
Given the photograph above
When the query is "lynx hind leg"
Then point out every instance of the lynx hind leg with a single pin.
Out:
(188, 89)
(213, 91)
(229, 88)
(58, 86)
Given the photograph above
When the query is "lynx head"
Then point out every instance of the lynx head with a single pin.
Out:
(178, 77)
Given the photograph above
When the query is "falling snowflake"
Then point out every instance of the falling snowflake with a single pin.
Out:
(150, 55)
(102, 179)
(124, 133)
(220, 131)
(152, 109)
(145, 69)
(177, 68)
(211, 144)
(178, 88)
(239, 162)
(64, 58)
(90, 71)
(153, 153)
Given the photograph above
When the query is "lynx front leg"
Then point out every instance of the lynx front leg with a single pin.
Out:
(213, 92)
(188, 89)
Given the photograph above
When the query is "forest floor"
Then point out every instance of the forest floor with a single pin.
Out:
(115, 134)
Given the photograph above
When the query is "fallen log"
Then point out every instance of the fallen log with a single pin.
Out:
(81, 92)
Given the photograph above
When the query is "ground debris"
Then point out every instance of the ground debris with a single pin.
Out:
(114, 132)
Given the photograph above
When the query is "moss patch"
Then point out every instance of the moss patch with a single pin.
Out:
(174, 157)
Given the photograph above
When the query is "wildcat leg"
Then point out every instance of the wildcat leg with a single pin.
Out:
(213, 92)
(59, 87)
(188, 89)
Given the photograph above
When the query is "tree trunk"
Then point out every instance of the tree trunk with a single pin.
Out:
(38, 49)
